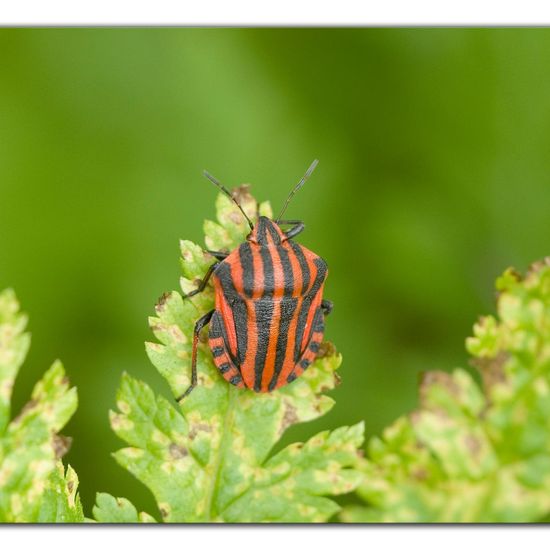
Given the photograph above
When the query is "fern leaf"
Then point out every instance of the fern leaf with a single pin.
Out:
(32, 488)
(474, 453)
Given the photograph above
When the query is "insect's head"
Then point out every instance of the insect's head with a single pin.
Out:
(266, 231)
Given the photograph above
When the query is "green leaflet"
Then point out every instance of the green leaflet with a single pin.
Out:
(32, 488)
(208, 459)
(471, 453)
(109, 509)
(60, 502)
(14, 345)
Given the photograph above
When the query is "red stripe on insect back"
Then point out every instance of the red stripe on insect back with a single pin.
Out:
(247, 364)
(237, 275)
(278, 274)
(269, 365)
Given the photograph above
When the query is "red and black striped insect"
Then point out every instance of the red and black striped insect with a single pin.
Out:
(268, 320)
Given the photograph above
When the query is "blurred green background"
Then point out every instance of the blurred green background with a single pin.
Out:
(434, 148)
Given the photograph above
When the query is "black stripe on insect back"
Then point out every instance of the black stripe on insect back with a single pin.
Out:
(247, 264)
(300, 327)
(223, 273)
(269, 277)
(275, 236)
(240, 316)
(238, 307)
(319, 277)
(306, 304)
(285, 262)
(288, 307)
(264, 314)
(262, 229)
(304, 267)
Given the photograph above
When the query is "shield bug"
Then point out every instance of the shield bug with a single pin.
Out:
(268, 320)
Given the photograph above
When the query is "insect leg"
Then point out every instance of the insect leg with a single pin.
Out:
(326, 306)
(218, 255)
(204, 282)
(199, 325)
(298, 227)
(202, 285)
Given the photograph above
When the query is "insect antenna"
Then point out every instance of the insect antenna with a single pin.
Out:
(298, 185)
(225, 191)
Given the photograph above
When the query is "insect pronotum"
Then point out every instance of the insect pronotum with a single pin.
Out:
(268, 319)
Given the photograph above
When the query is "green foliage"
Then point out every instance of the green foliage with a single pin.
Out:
(33, 485)
(109, 509)
(474, 453)
(60, 502)
(208, 459)
(14, 345)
